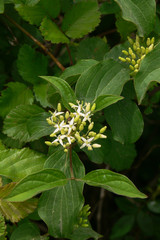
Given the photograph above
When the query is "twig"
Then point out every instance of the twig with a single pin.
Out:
(99, 210)
(69, 54)
(37, 42)
(70, 157)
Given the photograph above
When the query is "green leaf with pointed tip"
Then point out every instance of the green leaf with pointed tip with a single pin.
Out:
(105, 101)
(106, 77)
(125, 120)
(51, 32)
(1, 6)
(113, 182)
(35, 183)
(148, 73)
(83, 233)
(141, 13)
(27, 123)
(63, 88)
(17, 164)
(31, 64)
(16, 94)
(63, 204)
(81, 19)
(2, 228)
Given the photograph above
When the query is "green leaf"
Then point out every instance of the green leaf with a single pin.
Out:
(35, 13)
(109, 7)
(82, 233)
(154, 206)
(51, 32)
(94, 48)
(2, 227)
(141, 13)
(41, 94)
(122, 226)
(118, 156)
(17, 164)
(113, 182)
(143, 78)
(107, 77)
(35, 183)
(125, 120)
(1, 6)
(62, 205)
(27, 123)
(63, 88)
(81, 19)
(145, 222)
(30, 3)
(26, 231)
(66, 5)
(31, 64)
(105, 101)
(77, 69)
(124, 27)
(16, 94)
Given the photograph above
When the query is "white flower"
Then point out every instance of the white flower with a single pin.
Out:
(70, 126)
(59, 126)
(59, 139)
(86, 142)
(55, 114)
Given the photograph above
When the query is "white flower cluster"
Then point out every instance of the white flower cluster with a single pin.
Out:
(74, 126)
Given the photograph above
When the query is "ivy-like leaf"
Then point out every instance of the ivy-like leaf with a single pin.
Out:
(31, 64)
(63, 88)
(113, 182)
(27, 123)
(35, 183)
(148, 73)
(51, 32)
(106, 77)
(81, 19)
(16, 94)
(125, 120)
(17, 164)
(65, 202)
(141, 13)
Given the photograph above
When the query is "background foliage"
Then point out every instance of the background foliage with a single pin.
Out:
(78, 43)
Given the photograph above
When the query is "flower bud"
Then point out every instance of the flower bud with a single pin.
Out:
(81, 127)
(148, 42)
(49, 121)
(67, 115)
(61, 118)
(122, 59)
(152, 40)
(52, 134)
(133, 62)
(151, 47)
(136, 70)
(143, 50)
(48, 143)
(85, 225)
(128, 59)
(65, 150)
(131, 67)
(102, 130)
(130, 51)
(103, 136)
(76, 118)
(133, 55)
(130, 40)
(138, 61)
(147, 50)
(143, 56)
(90, 126)
(136, 66)
(92, 134)
(134, 47)
(90, 148)
(95, 145)
(93, 107)
(125, 52)
(59, 107)
(88, 106)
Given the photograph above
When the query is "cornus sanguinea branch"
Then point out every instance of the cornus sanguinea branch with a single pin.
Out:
(74, 126)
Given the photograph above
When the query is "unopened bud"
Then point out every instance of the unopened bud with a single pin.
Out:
(136, 66)
(65, 150)
(67, 115)
(133, 55)
(102, 130)
(95, 145)
(81, 127)
(134, 47)
(90, 148)
(48, 143)
(152, 40)
(136, 70)
(61, 118)
(130, 40)
(92, 134)
(76, 118)
(88, 107)
(148, 42)
(143, 57)
(90, 126)
(147, 50)
(130, 51)
(122, 59)
(138, 61)
(103, 136)
(59, 107)
(85, 225)
(133, 62)
(143, 50)
(128, 59)
(52, 134)
(49, 121)
(137, 38)
(131, 67)
(151, 47)
(125, 52)
(138, 50)
(93, 107)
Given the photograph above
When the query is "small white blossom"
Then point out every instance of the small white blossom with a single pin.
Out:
(59, 126)
(59, 139)
(86, 142)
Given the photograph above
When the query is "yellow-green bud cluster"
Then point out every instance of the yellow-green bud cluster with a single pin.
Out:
(71, 126)
(136, 53)
(83, 216)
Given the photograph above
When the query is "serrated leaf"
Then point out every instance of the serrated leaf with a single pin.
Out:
(141, 13)
(31, 64)
(34, 13)
(1, 6)
(27, 123)
(82, 233)
(125, 120)
(35, 183)
(148, 73)
(51, 32)
(106, 77)
(17, 164)
(105, 101)
(65, 202)
(16, 94)
(122, 226)
(113, 182)
(26, 231)
(93, 47)
(63, 88)
(41, 94)
(81, 19)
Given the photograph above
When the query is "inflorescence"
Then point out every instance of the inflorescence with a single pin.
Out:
(74, 126)
(135, 55)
